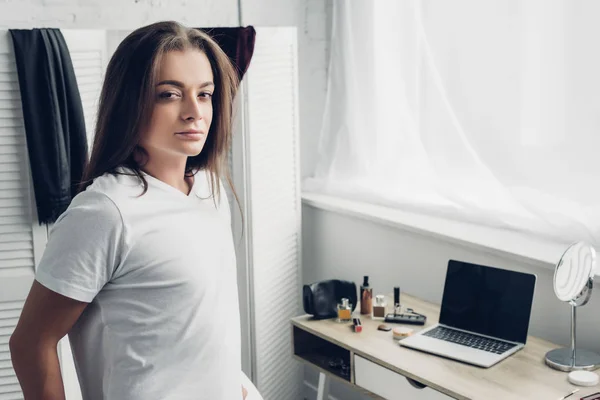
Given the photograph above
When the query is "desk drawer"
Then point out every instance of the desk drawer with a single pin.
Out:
(389, 384)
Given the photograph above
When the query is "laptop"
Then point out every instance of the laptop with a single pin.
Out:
(484, 316)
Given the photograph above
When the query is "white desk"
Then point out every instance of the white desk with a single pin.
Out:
(379, 366)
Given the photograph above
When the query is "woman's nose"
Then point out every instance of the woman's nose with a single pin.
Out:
(191, 110)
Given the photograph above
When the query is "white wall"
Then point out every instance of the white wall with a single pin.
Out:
(337, 246)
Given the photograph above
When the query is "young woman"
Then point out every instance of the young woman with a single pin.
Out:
(140, 270)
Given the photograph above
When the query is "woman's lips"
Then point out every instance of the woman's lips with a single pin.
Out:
(191, 135)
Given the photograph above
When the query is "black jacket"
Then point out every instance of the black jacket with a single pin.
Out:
(54, 122)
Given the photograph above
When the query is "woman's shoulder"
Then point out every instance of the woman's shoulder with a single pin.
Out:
(120, 180)
(118, 185)
(107, 192)
(92, 214)
(91, 209)
(104, 203)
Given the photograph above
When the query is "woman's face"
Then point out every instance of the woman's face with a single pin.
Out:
(183, 108)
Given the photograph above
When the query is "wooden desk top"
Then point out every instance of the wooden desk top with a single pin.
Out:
(524, 375)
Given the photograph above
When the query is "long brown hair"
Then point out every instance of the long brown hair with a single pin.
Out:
(127, 101)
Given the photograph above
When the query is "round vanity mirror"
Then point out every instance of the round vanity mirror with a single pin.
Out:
(573, 284)
(574, 274)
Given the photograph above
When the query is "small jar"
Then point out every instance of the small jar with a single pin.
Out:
(344, 311)
(379, 307)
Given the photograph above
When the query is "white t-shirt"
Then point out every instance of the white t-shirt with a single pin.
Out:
(159, 272)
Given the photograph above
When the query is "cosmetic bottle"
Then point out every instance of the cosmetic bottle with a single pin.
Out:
(344, 311)
(397, 305)
(366, 297)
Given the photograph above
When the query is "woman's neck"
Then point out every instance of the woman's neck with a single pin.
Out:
(172, 174)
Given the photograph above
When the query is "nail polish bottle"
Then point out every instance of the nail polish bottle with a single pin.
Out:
(344, 311)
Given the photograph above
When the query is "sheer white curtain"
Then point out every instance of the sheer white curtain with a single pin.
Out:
(486, 111)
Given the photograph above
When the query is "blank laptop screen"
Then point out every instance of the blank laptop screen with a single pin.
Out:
(490, 301)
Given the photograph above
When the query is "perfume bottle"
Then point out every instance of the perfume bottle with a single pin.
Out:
(344, 311)
(366, 297)
(379, 307)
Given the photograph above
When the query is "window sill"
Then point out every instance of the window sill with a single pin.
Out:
(520, 247)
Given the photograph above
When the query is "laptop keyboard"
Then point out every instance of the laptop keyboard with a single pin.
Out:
(470, 340)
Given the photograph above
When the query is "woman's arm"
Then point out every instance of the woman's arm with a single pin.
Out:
(46, 318)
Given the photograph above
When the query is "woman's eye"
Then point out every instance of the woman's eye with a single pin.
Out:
(206, 95)
(168, 95)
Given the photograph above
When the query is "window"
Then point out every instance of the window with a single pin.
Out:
(485, 112)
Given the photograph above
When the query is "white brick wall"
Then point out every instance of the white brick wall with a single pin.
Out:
(114, 14)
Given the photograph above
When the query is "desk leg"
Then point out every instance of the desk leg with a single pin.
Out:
(323, 391)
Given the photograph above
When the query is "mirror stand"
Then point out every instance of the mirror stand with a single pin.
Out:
(573, 284)
(573, 359)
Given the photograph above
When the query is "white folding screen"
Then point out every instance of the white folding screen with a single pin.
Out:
(266, 175)
(21, 238)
